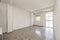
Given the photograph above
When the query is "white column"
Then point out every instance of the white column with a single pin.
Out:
(57, 19)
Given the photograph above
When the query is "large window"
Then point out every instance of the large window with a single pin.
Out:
(37, 18)
(49, 19)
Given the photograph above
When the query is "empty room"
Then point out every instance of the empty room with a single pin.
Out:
(29, 20)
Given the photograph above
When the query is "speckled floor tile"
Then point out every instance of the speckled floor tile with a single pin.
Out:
(31, 33)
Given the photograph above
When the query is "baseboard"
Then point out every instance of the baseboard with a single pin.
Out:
(19, 29)
(23, 28)
(5, 32)
(38, 25)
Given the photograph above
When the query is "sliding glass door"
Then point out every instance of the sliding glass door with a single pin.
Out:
(49, 19)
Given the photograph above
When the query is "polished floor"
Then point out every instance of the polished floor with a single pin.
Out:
(0, 37)
(31, 33)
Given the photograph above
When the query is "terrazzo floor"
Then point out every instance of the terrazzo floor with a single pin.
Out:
(30, 33)
(0, 37)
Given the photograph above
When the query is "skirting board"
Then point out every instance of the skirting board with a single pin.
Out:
(38, 25)
(23, 27)
(16, 29)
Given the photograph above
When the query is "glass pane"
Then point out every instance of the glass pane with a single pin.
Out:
(49, 23)
(49, 18)
(49, 14)
(37, 18)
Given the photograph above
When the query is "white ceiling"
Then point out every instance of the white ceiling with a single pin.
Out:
(31, 5)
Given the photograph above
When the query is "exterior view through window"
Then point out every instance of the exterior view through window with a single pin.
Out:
(37, 18)
(49, 19)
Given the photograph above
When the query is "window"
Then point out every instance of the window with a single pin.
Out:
(49, 23)
(37, 18)
(49, 19)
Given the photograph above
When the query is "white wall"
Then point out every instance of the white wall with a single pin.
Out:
(17, 18)
(13, 18)
(32, 18)
(0, 20)
(0, 16)
(0, 30)
(57, 20)
(21, 18)
(42, 20)
(10, 18)
(3, 11)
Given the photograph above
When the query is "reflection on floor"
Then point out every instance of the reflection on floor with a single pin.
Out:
(31, 33)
